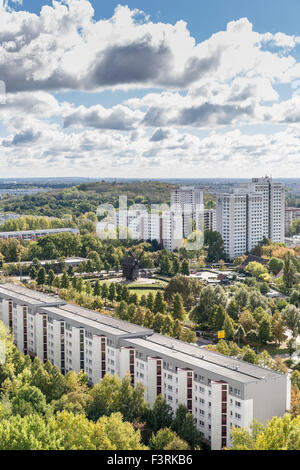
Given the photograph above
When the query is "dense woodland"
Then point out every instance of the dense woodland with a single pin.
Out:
(78, 200)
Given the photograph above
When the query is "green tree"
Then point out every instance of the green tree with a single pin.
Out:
(218, 316)
(166, 439)
(97, 289)
(289, 271)
(168, 326)
(104, 291)
(41, 277)
(131, 401)
(112, 291)
(79, 284)
(159, 303)
(185, 268)
(178, 311)
(214, 245)
(241, 298)
(158, 322)
(275, 265)
(233, 309)
(228, 327)
(29, 433)
(278, 329)
(65, 281)
(187, 335)
(122, 311)
(247, 321)
(160, 416)
(150, 301)
(278, 434)
(166, 265)
(291, 319)
(51, 277)
(184, 425)
(265, 329)
(29, 400)
(249, 355)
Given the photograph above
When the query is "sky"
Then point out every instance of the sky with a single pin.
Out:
(160, 88)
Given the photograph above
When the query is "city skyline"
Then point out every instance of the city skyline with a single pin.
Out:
(128, 89)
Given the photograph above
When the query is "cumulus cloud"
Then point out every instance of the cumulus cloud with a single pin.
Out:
(118, 118)
(230, 79)
(22, 138)
(65, 48)
(159, 135)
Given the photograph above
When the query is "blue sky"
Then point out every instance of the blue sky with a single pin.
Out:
(204, 17)
(95, 88)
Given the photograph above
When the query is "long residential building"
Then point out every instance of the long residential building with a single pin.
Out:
(35, 234)
(220, 391)
(251, 213)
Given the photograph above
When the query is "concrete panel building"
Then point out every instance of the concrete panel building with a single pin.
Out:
(220, 391)
(210, 219)
(291, 214)
(35, 234)
(251, 213)
(189, 200)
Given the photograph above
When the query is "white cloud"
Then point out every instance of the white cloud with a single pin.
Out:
(65, 48)
(118, 118)
(226, 81)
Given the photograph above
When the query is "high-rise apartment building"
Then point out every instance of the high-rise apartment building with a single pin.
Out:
(231, 213)
(273, 207)
(210, 219)
(249, 214)
(189, 200)
(291, 215)
(166, 226)
(220, 391)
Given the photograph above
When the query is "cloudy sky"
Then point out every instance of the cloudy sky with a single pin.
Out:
(160, 88)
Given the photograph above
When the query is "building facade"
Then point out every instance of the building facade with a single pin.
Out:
(291, 214)
(165, 226)
(220, 391)
(251, 213)
(189, 200)
(35, 234)
(210, 222)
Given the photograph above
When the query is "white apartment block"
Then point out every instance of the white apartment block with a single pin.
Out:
(210, 222)
(220, 391)
(291, 214)
(189, 200)
(249, 214)
(273, 207)
(231, 213)
(165, 226)
(35, 234)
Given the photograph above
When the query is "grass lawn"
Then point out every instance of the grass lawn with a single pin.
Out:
(274, 350)
(140, 292)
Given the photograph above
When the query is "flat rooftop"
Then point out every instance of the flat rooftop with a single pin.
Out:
(125, 326)
(30, 232)
(97, 327)
(154, 343)
(30, 296)
(236, 366)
